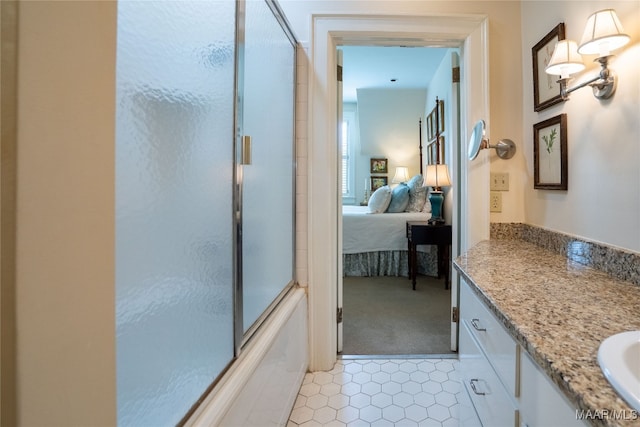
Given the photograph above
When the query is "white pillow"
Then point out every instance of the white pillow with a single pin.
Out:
(380, 199)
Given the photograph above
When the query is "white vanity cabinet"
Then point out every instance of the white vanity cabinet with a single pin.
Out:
(504, 385)
(488, 358)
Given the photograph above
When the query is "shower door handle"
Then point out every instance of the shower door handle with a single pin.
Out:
(246, 150)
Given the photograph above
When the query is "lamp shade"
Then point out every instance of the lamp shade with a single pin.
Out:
(602, 34)
(402, 175)
(565, 59)
(437, 176)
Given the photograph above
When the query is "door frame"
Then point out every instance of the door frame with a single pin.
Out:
(467, 32)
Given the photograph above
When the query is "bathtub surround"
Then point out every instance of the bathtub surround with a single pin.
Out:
(617, 262)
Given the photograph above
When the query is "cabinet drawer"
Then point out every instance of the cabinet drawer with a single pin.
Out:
(490, 399)
(498, 345)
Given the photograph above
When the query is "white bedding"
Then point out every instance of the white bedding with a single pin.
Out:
(366, 232)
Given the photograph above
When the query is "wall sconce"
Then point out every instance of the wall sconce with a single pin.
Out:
(602, 34)
(402, 175)
(437, 176)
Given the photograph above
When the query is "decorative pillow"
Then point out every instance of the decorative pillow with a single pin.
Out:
(380, 199)
(417, 199)
(415, 182)
(427, 204)
(399, 199)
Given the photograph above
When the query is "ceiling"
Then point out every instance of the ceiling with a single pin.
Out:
(375, 66)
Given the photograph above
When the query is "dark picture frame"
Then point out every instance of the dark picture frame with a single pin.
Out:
(377, 182)
(546, 89)
(435, 151)
(379, 166)
(430, 128)
(550, 154)
(435, 121)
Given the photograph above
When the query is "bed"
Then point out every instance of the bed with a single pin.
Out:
(376, 244)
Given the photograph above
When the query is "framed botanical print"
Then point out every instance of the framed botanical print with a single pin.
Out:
(546, 89)
(379, 166)
(550, 154)
(377, 182)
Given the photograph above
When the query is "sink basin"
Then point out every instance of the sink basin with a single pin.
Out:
(619, 359)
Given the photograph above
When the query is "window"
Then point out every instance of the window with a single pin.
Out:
(345, 158)
(348, 141)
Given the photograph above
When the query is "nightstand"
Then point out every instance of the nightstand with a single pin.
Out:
(423, 233)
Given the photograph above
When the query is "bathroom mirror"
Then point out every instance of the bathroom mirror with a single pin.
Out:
(477, 138)
(505, 148)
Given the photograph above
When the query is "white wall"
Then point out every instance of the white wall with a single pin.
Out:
(602, 202)
(388, 120)
(65, 299)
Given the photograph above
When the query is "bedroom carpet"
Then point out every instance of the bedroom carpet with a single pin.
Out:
(384, 316)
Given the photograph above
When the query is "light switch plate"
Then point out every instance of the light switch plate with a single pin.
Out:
(499, 181)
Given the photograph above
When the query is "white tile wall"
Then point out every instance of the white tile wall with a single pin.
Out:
(301, 174)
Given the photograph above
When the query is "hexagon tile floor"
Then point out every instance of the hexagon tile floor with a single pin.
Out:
(381, 392)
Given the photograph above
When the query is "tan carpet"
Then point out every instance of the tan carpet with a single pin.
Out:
(383, 315)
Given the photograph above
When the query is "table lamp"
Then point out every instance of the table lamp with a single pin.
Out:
(402, 175)
(437, 176)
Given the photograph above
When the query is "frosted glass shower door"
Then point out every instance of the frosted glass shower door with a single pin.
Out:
(268, 182)
(174, 222)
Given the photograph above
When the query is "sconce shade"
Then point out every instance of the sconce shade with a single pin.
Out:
(602, 34)
(565, 59)
(402, 175)
(437, 176)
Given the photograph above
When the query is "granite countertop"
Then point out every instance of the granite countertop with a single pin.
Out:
(559, 311)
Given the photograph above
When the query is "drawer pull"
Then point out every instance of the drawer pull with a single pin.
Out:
(472, 383)
(474, 322)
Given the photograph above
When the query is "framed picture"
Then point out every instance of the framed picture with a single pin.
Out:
(441, 115)
(379, 166)
(435, 151)
(546, 89)
(430, 131)
(377, 182)
(550, 154)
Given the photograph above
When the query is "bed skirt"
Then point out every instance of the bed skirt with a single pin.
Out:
(389, 263)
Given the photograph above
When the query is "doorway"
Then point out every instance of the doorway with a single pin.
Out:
(387, 93)
(468, 32)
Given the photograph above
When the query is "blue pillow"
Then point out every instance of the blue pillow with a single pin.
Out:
(399, 199)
